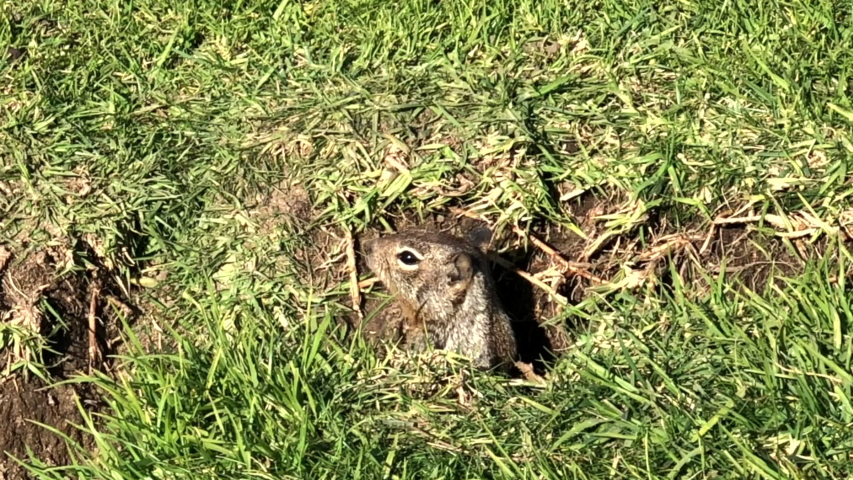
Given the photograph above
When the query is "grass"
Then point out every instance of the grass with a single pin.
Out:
(150, 130)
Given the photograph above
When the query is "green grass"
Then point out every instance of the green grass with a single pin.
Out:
(149, 129)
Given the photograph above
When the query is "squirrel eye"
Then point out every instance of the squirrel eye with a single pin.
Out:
(408, 258)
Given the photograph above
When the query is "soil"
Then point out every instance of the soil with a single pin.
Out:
(23, 401)
(35, 294)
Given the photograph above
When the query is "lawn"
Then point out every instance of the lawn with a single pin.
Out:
(186, 176)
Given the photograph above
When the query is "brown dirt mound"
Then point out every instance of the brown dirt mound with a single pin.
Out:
(41, 295)
(25, 401)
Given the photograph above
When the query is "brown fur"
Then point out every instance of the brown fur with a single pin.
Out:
(447, 294)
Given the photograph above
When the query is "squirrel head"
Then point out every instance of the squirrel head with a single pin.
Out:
(428, 267)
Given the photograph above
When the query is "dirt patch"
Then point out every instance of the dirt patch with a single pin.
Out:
(753, 260)
(749, 257)
(25, 401)
(287, 211)
(645, 254)
(47, 297)
(284, 200)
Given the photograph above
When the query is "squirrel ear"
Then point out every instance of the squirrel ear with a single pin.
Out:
(461, 270)
(480, 237)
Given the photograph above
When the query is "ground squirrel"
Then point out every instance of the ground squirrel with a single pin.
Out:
(445, 291)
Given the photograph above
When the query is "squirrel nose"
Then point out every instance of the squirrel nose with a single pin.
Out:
(368, 246)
